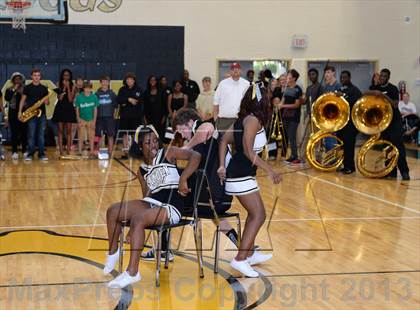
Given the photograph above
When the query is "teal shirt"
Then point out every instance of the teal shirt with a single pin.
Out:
(86, 106)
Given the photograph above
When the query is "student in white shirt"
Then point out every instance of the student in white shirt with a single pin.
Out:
(227, 98)
(406, 107)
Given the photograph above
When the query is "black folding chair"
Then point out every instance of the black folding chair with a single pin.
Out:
(192, 220)
(205, 201)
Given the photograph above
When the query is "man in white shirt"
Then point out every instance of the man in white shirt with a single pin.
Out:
(227, 98)
(406, 107)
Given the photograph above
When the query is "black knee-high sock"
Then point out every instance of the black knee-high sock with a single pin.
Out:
(164, 241)
(233, 236)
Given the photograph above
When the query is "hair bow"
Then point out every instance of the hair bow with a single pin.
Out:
(136, 136)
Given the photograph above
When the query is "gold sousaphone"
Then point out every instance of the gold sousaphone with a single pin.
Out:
(371, 115)
(330, 113)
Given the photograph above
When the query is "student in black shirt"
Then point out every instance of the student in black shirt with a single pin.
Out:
(155, 106)
(349, 133)
(394, 132)
(131, 108)
(290, 106)
(18, 129)
(190, 88)
(313, 91)
(36, 125)
(166, 90)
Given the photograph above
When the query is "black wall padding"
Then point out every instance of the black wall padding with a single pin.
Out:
(92, 50)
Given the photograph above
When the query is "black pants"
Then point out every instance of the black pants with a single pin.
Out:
(348, 134)
(18, 130)
(290, 127)
(394, 135)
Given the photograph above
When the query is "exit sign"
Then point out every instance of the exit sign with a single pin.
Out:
(300, 41)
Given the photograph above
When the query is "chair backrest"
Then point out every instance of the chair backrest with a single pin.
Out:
(202, 194)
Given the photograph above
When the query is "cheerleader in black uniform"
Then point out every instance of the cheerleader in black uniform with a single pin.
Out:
(248, 136)
(162, 204)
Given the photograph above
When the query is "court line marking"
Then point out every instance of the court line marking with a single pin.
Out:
(360, 193)
(341, 273)
(279, 220)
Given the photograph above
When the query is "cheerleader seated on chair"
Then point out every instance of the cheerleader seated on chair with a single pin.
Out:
(162, 188)
(248, 136)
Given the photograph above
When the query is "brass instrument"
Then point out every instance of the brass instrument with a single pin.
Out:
(276, 126)
(35, 109)
(330, 113)
(371, 115)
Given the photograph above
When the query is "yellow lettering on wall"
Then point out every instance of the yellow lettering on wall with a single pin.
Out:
(77, 5)
(109, 6)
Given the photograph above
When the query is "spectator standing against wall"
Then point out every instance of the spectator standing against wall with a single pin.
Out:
(190, 88)
(227, 98)
(205, 100)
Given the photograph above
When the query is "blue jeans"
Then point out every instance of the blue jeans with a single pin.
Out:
(36, 134)
(329, 143)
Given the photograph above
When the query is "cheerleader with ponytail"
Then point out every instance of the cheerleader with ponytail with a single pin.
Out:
(248, 136)
(162, 188)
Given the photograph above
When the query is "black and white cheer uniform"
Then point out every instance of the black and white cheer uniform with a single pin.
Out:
(240, 172)
(162, 179)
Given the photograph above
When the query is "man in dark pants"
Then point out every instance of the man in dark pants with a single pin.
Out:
(290, 105)
(349, 133)
(394, 132)
(313, 91)
(190, 88)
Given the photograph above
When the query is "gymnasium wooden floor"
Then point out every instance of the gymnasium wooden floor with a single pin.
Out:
(339, 242)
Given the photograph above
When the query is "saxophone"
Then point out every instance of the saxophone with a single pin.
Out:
(35, 109)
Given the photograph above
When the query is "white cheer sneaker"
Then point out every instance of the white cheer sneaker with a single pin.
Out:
(111, 261)
(124, 279)
(244, 268)
(258, 258)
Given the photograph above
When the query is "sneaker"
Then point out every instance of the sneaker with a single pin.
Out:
(111, 260)
(258, 258)
(405, 176)
(290, 159)
(244, 268)
(296, 161)
(124, 280)
(43, 158)
(25, 154)
(2, 157)
(28, 157)
(124, 156)
(150, 256)
(15, 156)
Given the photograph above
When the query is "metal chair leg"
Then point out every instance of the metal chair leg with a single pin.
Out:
(216, 251)
(168, 238)
(198, 246)
(121, 248)
(157, 252)
(238, 221)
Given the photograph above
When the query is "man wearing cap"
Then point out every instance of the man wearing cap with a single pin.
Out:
(227, 98)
